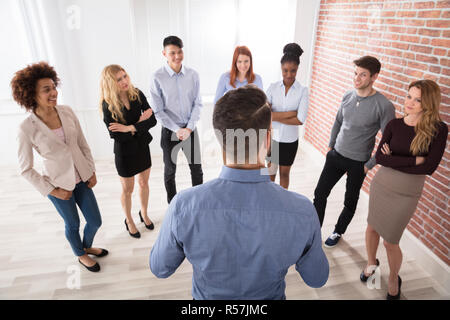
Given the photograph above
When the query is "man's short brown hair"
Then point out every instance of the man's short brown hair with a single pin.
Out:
(244, 109)
(370, 63)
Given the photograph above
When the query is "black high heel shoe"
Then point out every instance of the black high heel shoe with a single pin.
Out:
(151, 226)
(363, 276)
(397, 296)
(136, 235)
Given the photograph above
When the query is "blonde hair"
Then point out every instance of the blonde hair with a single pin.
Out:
(428, 124)
(109, 92)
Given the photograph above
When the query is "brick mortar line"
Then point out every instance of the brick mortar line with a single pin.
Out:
(393, 56)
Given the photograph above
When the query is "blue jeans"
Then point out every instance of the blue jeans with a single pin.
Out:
(84, 197)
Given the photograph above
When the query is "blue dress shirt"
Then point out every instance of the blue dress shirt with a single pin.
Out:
(241, 233)
(224, 85)
(296, 99)
(175, 97)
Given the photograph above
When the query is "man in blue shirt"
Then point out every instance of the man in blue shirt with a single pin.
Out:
(175, 100)
(241, 232)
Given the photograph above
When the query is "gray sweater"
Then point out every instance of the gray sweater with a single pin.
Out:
(356, 126)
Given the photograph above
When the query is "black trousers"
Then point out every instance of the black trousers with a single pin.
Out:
(191, 149)
(335, 167)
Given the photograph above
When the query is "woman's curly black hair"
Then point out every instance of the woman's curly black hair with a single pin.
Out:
(24, 83)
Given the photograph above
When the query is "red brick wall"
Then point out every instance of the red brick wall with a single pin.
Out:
(412, 41)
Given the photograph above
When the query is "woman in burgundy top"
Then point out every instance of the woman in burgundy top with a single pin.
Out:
(410, 149)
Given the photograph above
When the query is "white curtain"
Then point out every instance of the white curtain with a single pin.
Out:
(80, 37)
(211, 29)
(15, 49)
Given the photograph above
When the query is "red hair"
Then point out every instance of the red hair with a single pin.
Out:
(234, 71)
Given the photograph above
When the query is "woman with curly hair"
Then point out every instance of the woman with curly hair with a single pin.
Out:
(68, 177)
(410, 149)
(128, 117)
(241, 73)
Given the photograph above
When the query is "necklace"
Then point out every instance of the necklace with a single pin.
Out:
(359, 99)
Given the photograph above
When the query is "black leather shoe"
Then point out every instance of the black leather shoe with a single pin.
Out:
(363, 277)
(397, 296)
(151, 226)
(94, 268)
(136, 235)
(101, 254)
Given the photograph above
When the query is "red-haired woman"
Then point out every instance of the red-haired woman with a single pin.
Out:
(241, 73)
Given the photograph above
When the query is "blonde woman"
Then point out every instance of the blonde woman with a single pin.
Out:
(128, 117)
(410, 149)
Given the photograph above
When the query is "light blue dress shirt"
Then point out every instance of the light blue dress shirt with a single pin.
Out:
(175, 97)
(297, 99)
(241, 232)
(224, 85)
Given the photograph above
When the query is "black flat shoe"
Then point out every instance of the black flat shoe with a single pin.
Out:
(151, 226)
(363, 276)
(101, 254)
(94, 268)
(397, 296)
(136, 235)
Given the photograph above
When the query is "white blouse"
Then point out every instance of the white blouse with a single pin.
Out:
(296, 99)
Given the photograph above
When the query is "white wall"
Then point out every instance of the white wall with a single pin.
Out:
(80, 37)
(305, 35)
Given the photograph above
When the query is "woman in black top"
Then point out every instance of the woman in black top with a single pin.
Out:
(128, 117)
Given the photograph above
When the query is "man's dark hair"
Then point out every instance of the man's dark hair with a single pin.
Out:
(174, 40)
(370, 63)
(243, 108)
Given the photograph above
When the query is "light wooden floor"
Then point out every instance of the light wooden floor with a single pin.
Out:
(36, 261)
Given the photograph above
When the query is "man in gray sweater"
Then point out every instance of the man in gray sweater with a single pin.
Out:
(362, 113)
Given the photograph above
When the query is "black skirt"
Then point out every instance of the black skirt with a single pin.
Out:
(130, 165)
(283, 153)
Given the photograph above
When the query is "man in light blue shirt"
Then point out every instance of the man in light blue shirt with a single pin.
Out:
(175, 100)
(241, 232)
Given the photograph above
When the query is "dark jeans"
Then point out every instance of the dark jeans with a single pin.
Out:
(191, 149)
(335, 167)
(84, 197)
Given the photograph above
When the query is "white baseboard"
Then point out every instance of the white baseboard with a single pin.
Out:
(413, 246)
(426, 259)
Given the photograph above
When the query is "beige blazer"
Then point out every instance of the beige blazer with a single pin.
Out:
(59, 157)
